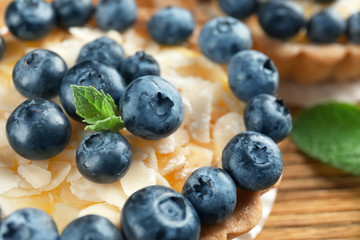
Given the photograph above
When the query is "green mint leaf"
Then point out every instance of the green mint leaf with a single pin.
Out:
(97, 108)
(330, 133)
(113, 123)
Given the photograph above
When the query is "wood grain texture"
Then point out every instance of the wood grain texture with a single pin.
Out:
(315, 201)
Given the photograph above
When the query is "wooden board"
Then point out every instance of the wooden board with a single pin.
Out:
(315, 201)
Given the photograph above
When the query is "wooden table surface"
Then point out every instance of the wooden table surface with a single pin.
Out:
(314, 201)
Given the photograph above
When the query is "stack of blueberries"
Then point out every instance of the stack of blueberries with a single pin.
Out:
(151, 108)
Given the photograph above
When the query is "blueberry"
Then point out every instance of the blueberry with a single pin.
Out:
(281, 19)
(92, 227)
(253, 160)
(28, 224)
(103, 50)
(268, 115)
(213, 194)
(116, 14)
(326, 26)
(30, 19)
(139, 65)
(39, 73)
(159, 213)
(151, 108)
(2, 48)
(104, 157)
(71, 13)
(222, 37)
(238, 9)
(353, 28)
(38, 129)
(171, 25)
(87, 73)
(251, 73)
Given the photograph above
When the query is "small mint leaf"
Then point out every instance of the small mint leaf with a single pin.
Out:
(330, 133)
(113, 123)
(96, 108)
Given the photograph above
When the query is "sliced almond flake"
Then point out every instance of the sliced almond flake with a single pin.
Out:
(21, 160)
(10, 204)
(68, 50)
(67, 155)
(21, 192)
(24, 184)
(10, 99)
(234, 104)
(164, 146)
(85, 33)
(36, 176)
(59, 172)
(175, 163)
(73, 175)
(63, 214)
(85, 190)
(116, 36)
(198, 156)
(44, 164)
(151, 159)
(104, 210)
(160, 180)
(8, 180)
(187, 111)
(132, 42)
(199, 126)
(112, 194)
(227, 127)
(181, 137)
(5, 161)
(170, 59)
(138, 176)
(3, 138)
(139, 156)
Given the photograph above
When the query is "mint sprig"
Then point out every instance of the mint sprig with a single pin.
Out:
(330, 133)
(97, 109)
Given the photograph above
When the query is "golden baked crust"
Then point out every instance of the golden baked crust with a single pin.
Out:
(309, 63)
(249, 207)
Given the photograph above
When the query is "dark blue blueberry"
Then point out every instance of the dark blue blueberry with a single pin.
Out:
(171, 25)
(28, 224)
(116, 14)
(151, 108)
(30, 19)
(326, 26)
(251, 73)
(213, 194)
(268, 115)
(159, 213)
(90, 73)
(222, 37)
(39, 73)
(38, 129)
(103, 50)
(71, 13)
(253, 160)
(104, 157)
(139, 65)
(91, 227)
(2, 48)
(238, 9)
(353, 28)
(281, 19)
